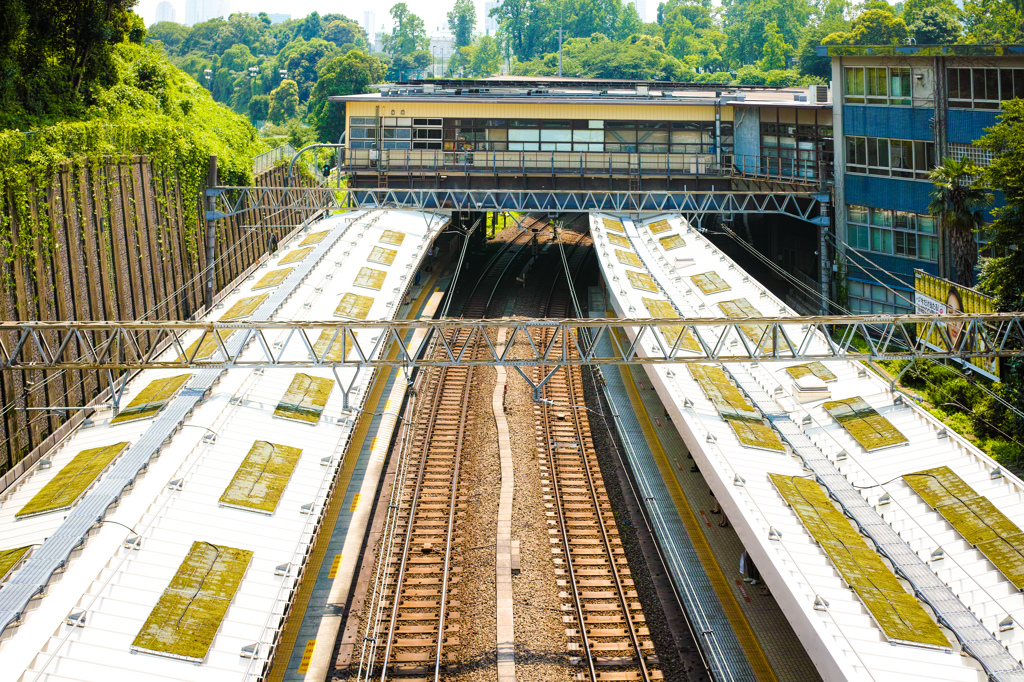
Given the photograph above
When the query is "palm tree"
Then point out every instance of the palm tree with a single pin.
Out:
(958, 203)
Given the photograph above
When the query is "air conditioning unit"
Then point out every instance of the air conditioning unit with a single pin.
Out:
(819, 94)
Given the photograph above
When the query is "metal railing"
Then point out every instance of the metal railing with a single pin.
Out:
(587, 163)
(280, 156)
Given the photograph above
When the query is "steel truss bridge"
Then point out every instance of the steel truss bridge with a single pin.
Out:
(805, 205)
(117, 345)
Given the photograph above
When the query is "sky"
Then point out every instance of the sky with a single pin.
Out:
(433, 12)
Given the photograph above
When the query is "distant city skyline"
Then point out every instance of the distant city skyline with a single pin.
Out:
(433, 12)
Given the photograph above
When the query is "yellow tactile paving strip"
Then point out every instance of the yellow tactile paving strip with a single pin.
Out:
(290, 634)
(731, 608)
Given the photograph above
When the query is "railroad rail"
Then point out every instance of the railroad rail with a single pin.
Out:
(610, 637)
(410, 617)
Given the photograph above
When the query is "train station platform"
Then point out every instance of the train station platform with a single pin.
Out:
(888, 543)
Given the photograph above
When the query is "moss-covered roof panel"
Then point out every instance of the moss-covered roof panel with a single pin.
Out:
(260, 480)
(816, 368)
(272, 279)
(9, 558)
(709, 282)
(152, 399)
(642, 281)
(313, 238)
(188, 614)
(870, 429)
(628, 258)
(205, 347)
(72, 481)
(618, 240)
(243, 308)
(369, 278)
(338, 349)
(673, 241)
(295, 256)
(663, 309)
(354, 306)
(392, 237)
(305, 399)
(381, 255)
(612, 225)
(659, 226)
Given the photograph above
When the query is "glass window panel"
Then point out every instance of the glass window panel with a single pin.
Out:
(1018, 83)
(863, 236)
(524, 135)
(953, 83)
(926, 223)
(596, 124)
(587, 135)
(856, 288)
(556, 136)
(876, 239)
(991, 83)
(497, 134)
(881, 217)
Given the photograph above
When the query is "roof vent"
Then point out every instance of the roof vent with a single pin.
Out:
(739, 480)
(938, 554)
(133, 542)
(1006, 624)
(774, 535)
(820, 603)
(176, 484)
(76, 619)
(251, 650)
(282, 569)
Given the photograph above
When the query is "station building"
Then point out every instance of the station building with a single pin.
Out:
(898, 111)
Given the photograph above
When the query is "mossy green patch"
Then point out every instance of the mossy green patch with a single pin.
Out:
(896, 612)
(870, 429)
(337, 350)
(243, 308)
(354, 306)
(816, 368)
(755, 434)
(204, 348)
(673, 241)
(70, 482)
(295, 256)
(628, 258)
(392, 237)
(370, 278)
(642, 281)
(659, 226)
(313, 238)
(613, 225)
(186, 618)
(152, 399)
(710, 282)
(261, 479)
(736, 410)
(305, 399)
(272, 279)
(663, 309)
(975, 518)
(381, 255)
(618, 240)
(9, 558)
(758, 333)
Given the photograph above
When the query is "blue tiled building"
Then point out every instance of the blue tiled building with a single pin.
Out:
(897, 111)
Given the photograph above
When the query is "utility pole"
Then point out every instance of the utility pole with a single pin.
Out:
(211, 233)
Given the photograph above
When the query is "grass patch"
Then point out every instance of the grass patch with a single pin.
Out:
(295, 256)
(673, 241)
(370, 279)
(896, 612)
(642, 281)
(392, 237)
(628, 258)
(72, 481)
(659, 226)
(741, 308)
(618, 240)
(243, 308)
(975, 518)
(656, 308)
(381, 255)
(152, 399)
(262, 477)
(870, 429)
(816, 368)
(9, 558)
(272, 279)
(710, 282)
(735, 409)
(354, 306)
(305, 399)
(313, 238)
(613, 225)
(204, 347)
(186, 618)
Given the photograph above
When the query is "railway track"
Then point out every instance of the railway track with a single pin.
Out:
(413, 614)
(604, 620)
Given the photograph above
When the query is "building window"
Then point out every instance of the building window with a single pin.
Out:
(898, 233)
(877, 85)
(895, 158)
(792, 149)
(874, 299)
(983, 88)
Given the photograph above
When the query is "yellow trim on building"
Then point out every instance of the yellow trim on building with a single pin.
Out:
(648, 111)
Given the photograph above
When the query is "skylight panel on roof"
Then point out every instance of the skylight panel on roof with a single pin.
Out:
(628, 258)
(898, 614)
(659, 226)
(642, 281)
(673, 241)
(262, 477)
(295, 256)
(392, 237)
(740, 307)
(272, 279)
(9, 560)
(656, 308)
(613, 225)
(870, 429)
(619, 241)
(72, 481)
(975, 518)
(305, 399)
(338, 348)
(816, 368)
(186, 618)
(369, 278)
(314, 238)
(381, 255)
(152, 399)
(354, 306)
(205, 347)
(710, 282)
(243, 308)
(736, 410)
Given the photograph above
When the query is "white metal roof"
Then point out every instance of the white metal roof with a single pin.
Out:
(118, 587)
(843, 640)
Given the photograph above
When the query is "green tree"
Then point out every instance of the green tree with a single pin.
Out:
(958, 203)
(168, 33)
(875, 26)
(745, 24)
(284, 101)
(311, 27)
(351, 74)
(486, 58)
(408, 34)
(259, 108)
(300, 59)
(462, 22)
(994, 21)
(775, 49)
(342, 32)
(912, 10)
(936, 26)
